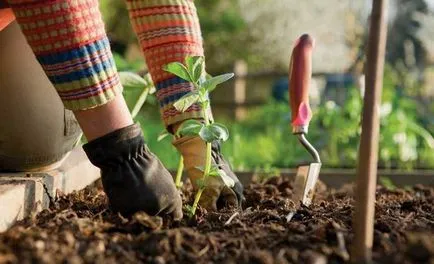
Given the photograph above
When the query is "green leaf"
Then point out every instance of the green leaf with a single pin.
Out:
(206, 134)
(163, 134)
(188, 210)
(132, 80)
(150, 83)
(214, 172)
(178, 69)
(214, 132)
(190, 128)
(140, 102)
(195, 67)
(212, 83)
(186, 101)
(205, 76)
(226, 179)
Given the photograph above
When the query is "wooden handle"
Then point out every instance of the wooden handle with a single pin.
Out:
(300, 72)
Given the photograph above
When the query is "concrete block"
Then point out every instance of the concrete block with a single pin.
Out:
(35, 197)
(12, 202)
(26, 192)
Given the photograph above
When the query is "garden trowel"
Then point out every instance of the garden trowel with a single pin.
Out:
(300, 71)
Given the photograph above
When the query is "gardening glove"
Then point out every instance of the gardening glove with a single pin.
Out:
(133, 178)
(193, 150)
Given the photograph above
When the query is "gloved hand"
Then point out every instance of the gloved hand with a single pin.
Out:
(133, 178)
(193, 149)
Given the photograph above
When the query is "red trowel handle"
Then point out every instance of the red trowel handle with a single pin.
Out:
(300, 71)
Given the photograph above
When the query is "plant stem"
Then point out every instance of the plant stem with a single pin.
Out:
(140, 102)
(196, 201)
(206, 170)
(179, 172)
(208, 149)
(207, 160)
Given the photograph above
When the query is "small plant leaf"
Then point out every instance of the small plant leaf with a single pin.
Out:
(186, 101)
(223, 131)
(206, 134)
(178, 69)
(188, 210)
(132, 80)
(214, 172)
(195, 67)
(150, 83)
(214, 132)
(226, 179)
(212, 83)
(163, 134)
(190, 128)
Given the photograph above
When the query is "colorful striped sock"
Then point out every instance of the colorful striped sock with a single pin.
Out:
(168, 30)
(69, 40)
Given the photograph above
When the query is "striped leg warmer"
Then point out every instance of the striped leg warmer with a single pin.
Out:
(168, 30)
(69, 40)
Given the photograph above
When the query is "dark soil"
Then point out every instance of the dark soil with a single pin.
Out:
(80, 229)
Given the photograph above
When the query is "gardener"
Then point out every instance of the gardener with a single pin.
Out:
(70, 43)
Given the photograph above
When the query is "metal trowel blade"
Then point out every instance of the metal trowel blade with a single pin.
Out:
(305, 181)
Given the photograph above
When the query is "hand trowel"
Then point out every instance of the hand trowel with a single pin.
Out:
(300, 71)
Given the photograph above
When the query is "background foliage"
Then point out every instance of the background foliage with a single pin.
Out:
(244, 29)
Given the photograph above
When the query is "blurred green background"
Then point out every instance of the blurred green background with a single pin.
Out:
(259, 34)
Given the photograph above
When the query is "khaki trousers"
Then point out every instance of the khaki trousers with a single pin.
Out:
(35, 129)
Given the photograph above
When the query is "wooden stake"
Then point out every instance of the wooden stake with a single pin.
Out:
(363, 223)
(240, 70)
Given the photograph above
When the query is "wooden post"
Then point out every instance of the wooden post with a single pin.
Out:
(363, 223)
(240, 70)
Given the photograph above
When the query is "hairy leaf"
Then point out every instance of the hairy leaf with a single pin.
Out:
(186, 101)
(214, 132)
(195, 67)
(178, 69)
(190, 128)
(212, 83)
(214, 172)
(150, 83)
(132, 80)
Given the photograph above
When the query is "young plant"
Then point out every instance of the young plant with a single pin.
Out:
(194, 71)
(135, 84)
(140, 87)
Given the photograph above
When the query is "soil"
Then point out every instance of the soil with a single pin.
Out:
(79, 228)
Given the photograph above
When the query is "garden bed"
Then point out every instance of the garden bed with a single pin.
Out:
(80, 229)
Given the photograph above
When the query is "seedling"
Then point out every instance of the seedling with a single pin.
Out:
(194, 71)
(131, 82)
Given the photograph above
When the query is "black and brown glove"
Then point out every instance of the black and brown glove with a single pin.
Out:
(216, 193)
(133, 178)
